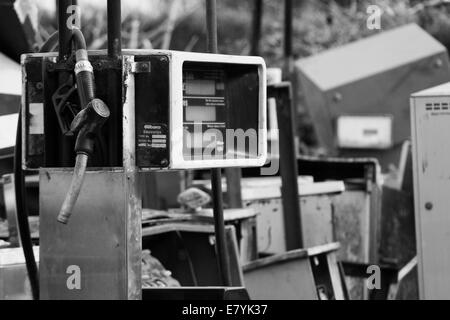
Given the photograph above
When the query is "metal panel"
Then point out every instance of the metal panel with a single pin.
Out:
(316, 216)
(351, 220)
(383, 51)
(431, 158)
(94, 240)
(352, 224)
(397, 231)
(14, 282)
(284, 277)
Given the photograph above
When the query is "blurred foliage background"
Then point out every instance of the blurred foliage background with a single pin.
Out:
(318, 24)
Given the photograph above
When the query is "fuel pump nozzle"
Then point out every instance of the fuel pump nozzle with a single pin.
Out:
(86, 123)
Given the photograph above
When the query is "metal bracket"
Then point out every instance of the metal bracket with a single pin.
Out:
(65, 111)
(141, 67)
(98, 64)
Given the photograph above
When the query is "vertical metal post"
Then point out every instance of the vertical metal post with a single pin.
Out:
(114, 28)
(65, 34)
(134, 192)
(288, 166)
(65, 50)
(233, 175)
(216, 174)
(256, 27)
(133, 187)
(114, 17)
(287, 115)
(234, 195)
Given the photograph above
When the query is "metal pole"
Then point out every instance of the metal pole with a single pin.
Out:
(256, 27)
(211, 26)
(234, 195)
(114, 17)
(286, 114)
(288, 166)
(114, 28)
(65, 50)
(65, 34)
(234, 176)
(216, 174)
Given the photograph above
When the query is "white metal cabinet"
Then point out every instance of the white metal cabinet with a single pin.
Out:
(430, 123)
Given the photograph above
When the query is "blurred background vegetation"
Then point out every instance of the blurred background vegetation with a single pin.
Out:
(318, 25)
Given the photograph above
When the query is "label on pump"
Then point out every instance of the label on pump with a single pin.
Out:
(150, 138)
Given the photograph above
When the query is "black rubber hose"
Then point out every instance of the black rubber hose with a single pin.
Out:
(22, 214)
(86, 87)
(84, 72)
(78, 38)
(52, 41)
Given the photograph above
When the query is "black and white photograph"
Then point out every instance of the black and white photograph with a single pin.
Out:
(225, 155)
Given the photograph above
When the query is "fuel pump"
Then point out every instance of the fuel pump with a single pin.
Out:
(128, 112)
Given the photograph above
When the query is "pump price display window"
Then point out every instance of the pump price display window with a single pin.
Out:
(221, 113)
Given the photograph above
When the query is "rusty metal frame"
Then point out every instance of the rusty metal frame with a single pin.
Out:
(134, 201)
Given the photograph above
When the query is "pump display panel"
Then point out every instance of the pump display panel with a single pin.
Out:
(217, 114)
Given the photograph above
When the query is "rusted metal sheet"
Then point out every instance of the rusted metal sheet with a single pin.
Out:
(351, 225)
(303, 274)
(316, 215)
(287, 276)
(133, 199)
(351, 229)
(398, 237)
